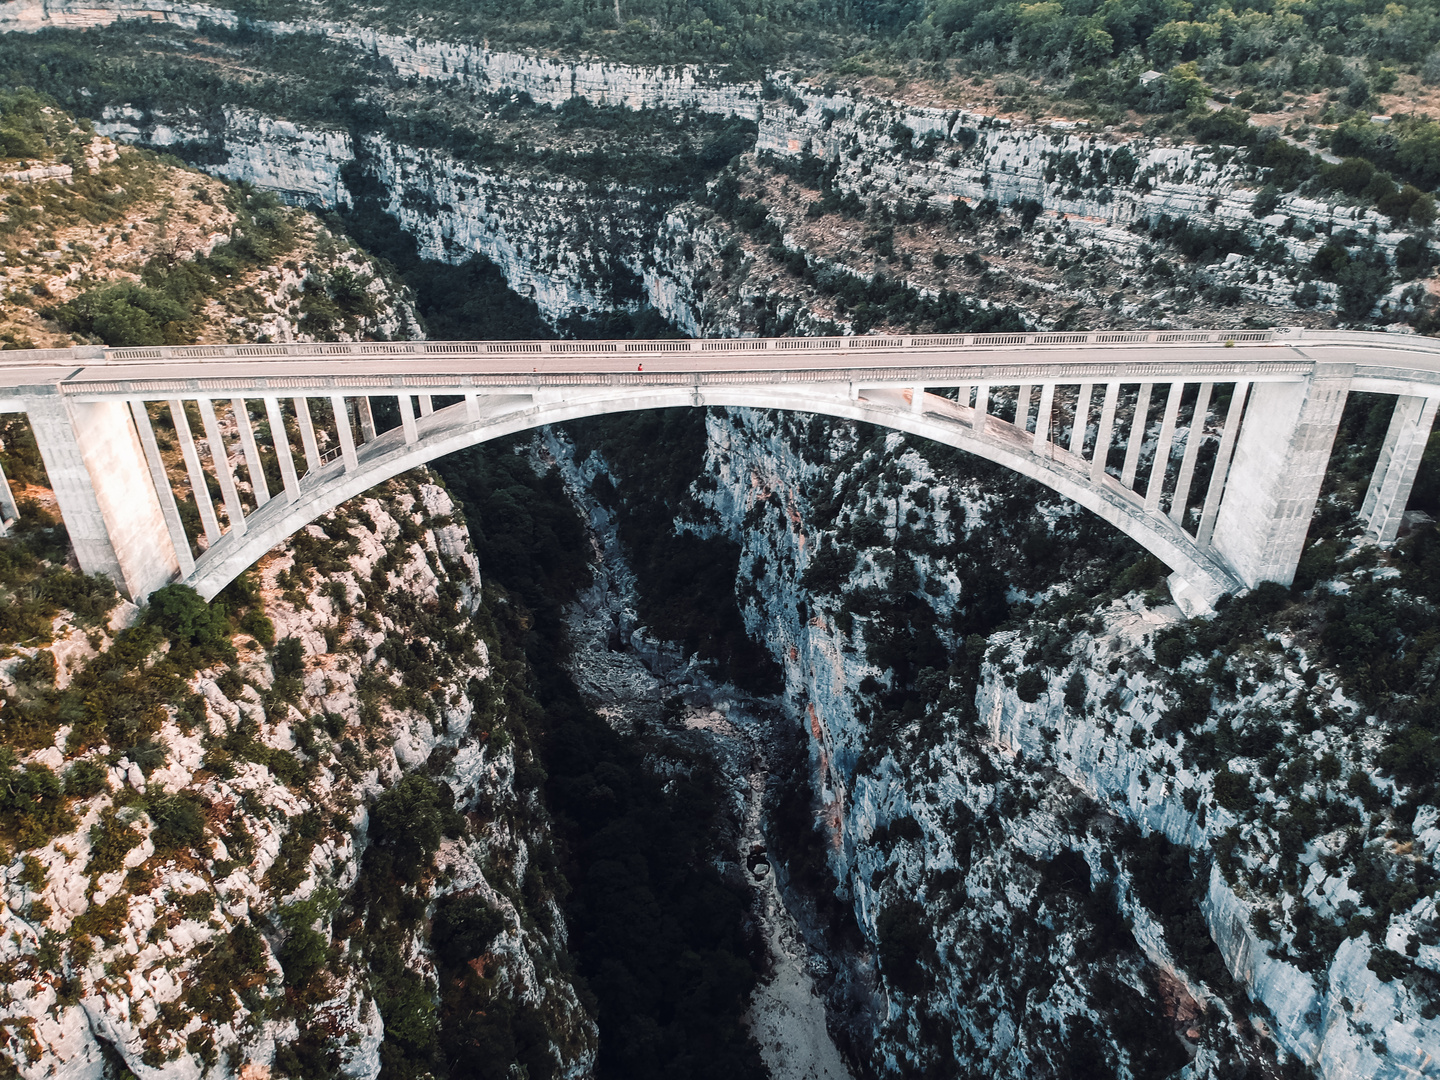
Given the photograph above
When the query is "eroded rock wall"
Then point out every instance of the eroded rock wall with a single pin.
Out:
(183, 962)
(972, 808)
(561, 240)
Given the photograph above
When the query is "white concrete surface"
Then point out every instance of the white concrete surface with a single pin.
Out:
(1397, 466)
(1260, 505)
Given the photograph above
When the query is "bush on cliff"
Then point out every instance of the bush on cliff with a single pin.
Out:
(410, 819)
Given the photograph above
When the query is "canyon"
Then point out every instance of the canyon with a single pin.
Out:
(568, 242)
(993, 804)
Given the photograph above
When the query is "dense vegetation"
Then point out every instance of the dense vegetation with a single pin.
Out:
(307, 78)
(1332, 43)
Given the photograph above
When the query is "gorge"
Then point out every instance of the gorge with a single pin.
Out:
(502, 767)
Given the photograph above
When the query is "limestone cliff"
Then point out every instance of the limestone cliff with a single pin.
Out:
(1096, 213)
(220, 898)
(1043, 832)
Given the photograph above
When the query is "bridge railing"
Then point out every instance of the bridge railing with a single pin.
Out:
(91, 355)
(102, 355)
(703, 345)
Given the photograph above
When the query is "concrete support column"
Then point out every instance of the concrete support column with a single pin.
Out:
(102, 483)
(1082, 420)
(161, 480)
(1193, 439)
(366, 416)
(199, 486)
(9, 512)
(233, 508)
(1042, 418)
(1394, 474)
(281, 438)
(982, 406)
(427, 404)
(1102, 438)
(1156, 486)
(307, 435)
(253, 465)
(341, 409)
(407, 418)
(1137, 437)
(917, 399)
(472, 408)
(1022, 407)
(1280, 459)
(1216, 489)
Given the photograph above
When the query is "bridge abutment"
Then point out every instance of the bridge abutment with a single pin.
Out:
(1274, 480)
(102, 484)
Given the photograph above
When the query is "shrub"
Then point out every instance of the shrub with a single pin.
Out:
(904, 943)
(288, 658)
(37, 670)
(1075, 693)
(464, 927)
(234, 961)
(259, 626)
(110, 841)
(127, 314)
(1412, 758)
(1029, 685)
(304, 953)
(829, 568)
(1363, 281)
(1266, 201)
(409, 820)
(1171, 651)
(188, 621)
(1330, 260)
(1232, 791)
(1351, 176)
(178, 823)
(1230, 127)
(32, 802)
(1363, 788)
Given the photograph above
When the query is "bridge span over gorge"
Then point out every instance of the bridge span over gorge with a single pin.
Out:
(1206, 447)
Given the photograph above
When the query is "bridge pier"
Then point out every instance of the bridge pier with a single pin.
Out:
(102, 483)
(1275, 474)
(1394, 474)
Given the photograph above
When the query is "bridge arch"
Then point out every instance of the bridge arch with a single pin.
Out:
(1165, 390)
(1199, 578)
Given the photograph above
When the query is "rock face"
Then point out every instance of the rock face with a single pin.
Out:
(560, 242)
(184, 964)
(561, 239)
(981, 850)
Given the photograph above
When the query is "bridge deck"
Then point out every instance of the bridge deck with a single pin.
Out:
(1099, 356)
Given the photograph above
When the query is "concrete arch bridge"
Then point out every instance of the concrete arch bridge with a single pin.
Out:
(1112, 420)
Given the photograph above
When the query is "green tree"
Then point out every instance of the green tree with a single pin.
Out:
(409, 820)
(181, 615)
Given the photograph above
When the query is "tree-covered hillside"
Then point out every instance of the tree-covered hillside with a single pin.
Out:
(1359, 48)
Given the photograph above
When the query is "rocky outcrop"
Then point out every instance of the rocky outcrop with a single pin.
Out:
(183, 963)
(549, 81)
(965, 816)
(1102, 190)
